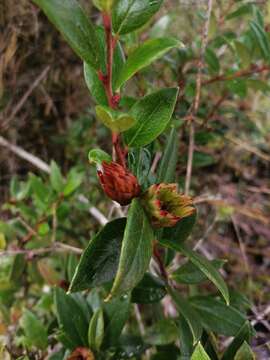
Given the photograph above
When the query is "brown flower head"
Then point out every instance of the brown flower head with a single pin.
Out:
(165, 206)
(118, 183)
(81, 353)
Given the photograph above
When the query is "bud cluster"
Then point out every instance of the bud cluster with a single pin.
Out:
(164, 205)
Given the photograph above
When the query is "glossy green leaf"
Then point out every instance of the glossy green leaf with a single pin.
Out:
(99, 261)
(217, 316)
(261, 38)
(185, 338)
(130, 347)
(152, 115)
(35, 332)
(114, 120)
(136, 250)
(96, 330)
(97, 156)
(167, 167)
(149, 290)
(130, 15)
(116, 313)
(181, 231)
(245, 353)
(71, 318)
(189, 314)
(163, 332)
(199, 353)
(94, 84)
(75, 26)
(244, 334)
(191, 274)
(140, 161)
(144, 55)
(203, 264)
(56, 178)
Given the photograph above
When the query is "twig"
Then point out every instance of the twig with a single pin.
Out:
(248, 148)
(195, 107)
(241, 245)
(93, 210)
(34, 160)
(57, 247)
(190, 157)
(254, 69)
(139, 319)
(22, 101)
(255, 214)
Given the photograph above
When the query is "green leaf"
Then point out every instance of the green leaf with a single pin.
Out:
(97, 156)
(212, 60)
(262, 39)
(144, 55)
(185, 338)
(244, 334)
(199, 353)
(136, 250)
(114, 120)
(56, 178)
(2, 241)
(130, 15)
(69, 18)
(74, 180)
(35, 332)
(96, 330)
(245, 9)
(72, 263)
(245, 353)
(217, 316)
(116, 313)
(191, 274)
(94, 84)
(243, 53)
(99, 261)
(163, 332)
(71, 318)
(149, 290)
(152, 115)
(203, 264)
(18, 265)
(104, 5)
(167, 168)
(189, 314)
(180, 232)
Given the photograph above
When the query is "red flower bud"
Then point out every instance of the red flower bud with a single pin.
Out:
(81, 353)
(118, 183)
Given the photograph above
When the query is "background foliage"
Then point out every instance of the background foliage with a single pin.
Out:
(47, 111)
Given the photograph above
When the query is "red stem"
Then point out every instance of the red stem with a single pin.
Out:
(113, 100)
(161, 266)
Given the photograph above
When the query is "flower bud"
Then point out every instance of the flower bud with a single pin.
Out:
(165, 206)
(118, 183)
(81, 353)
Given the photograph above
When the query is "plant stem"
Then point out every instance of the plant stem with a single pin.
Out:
(113, 99)
(159, 261)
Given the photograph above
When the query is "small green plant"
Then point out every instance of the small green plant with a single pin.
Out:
(97, 306)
